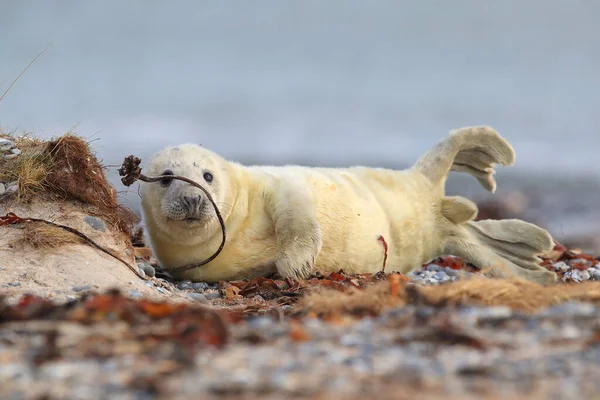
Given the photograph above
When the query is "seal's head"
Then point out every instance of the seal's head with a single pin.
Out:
(176, 209)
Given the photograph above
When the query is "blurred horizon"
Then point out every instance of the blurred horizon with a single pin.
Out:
(334, 83)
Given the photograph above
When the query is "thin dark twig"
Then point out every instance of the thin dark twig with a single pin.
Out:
(131, 171)
(12, 218)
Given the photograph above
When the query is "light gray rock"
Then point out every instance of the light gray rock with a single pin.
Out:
(148, 269)
(210, 295)
(6, 144)
(96, 223)
(198, 297)
(183, 285)
(2, 189)
(10, 156)
(560, 266)
(15, 151)
(200, 286)
(81, 288)
(135, 293)
(585, 275)
(594, 274)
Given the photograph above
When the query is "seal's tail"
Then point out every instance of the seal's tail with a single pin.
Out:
(501, 248)
(474, 150)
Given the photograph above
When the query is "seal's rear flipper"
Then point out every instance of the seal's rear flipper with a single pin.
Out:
(504, 248)
(474, 150)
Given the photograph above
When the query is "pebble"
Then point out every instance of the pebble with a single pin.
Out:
(183, 285)
(10, 156)
(141, 271)
(16, 151)
(135, 293)
(149, 283)
(161, 290)
(441, 276)
(572, 275)
(81, 288)
(6, 144)
(200, 286)
(95, 222)
(561, 266)
(14, 284)
(148, 269)
(2, 188)
(198, 297)
(585, 275)
(212, 294)
(594, 273)
(12, 189)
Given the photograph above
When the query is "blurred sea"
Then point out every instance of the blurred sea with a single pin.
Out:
(321, 83)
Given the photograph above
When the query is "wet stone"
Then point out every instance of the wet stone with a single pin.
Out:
(96, 223)
(81, 288)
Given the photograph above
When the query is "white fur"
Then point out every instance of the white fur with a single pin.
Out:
(295, 219)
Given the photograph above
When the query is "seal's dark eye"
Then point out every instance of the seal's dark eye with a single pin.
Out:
(166, 181)
(208, 177)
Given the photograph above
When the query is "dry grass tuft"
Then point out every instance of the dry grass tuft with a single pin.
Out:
(40, 235)
(79, 175)
(64, 168)
(28, 169)
(519, 295)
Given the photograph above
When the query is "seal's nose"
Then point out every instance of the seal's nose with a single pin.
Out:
(192, 202)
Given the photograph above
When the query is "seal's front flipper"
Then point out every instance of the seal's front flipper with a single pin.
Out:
(297, 230)
(504, 248)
